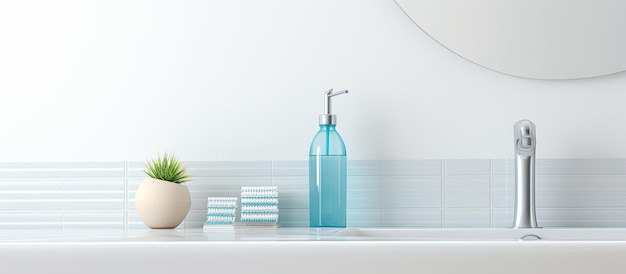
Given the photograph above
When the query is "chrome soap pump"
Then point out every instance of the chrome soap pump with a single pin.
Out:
(327, 171)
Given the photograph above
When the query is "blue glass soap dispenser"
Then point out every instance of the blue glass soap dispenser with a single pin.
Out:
(327, 172)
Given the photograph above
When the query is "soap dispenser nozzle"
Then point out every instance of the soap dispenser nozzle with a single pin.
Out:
(328, 118)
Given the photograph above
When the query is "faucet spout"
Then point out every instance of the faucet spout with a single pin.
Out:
(525, 143)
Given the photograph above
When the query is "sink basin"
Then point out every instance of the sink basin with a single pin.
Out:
(323, 250)
(484, 234)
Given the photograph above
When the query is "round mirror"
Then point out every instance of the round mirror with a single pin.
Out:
(540, 39)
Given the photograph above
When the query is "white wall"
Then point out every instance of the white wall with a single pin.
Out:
(243, 80)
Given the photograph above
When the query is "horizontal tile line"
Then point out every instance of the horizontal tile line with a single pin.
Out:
(92, 169)
(30, 200)
(93, 222)
(585, 208)
(30, 169)
(30, 223)
(573, 208)
(471, 208)
(31, 191)
(92, 191)
(27, 211)
(70, 200)
(580, 174)
(217, 177)
(32, 179)
(406, 208)
(411, 176)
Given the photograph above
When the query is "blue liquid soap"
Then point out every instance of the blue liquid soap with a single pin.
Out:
(327, 174)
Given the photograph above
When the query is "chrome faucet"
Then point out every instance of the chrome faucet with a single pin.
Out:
(525, 143)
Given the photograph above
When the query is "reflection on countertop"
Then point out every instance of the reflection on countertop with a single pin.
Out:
(226, 233)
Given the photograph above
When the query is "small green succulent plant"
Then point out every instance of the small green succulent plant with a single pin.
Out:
(167, 168)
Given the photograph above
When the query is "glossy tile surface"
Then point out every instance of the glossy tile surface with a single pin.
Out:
(392, 193)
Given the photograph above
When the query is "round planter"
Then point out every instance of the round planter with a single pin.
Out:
(162, 204)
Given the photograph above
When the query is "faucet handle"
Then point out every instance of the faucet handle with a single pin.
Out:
(526, 143)
(524, 131)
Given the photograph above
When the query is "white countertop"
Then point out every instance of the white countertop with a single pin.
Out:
(304, 234)
(166, 235)
(306, 250)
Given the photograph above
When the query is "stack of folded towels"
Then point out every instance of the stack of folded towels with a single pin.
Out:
(221, 211)
(259, 205)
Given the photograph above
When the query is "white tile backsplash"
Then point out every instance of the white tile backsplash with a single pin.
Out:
(390, 193)
(468, 217)
(580, 191)
(412, 217)
(399, 192)
(581, 166)
(364, 218)
(364, 192)
(31, 219)
(467, 167)
(412, 168)
(467, 191)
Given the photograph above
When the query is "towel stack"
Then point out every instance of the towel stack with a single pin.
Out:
(221, 211)
(259, 205)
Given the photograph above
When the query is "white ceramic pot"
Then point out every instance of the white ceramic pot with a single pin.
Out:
(162, 204)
